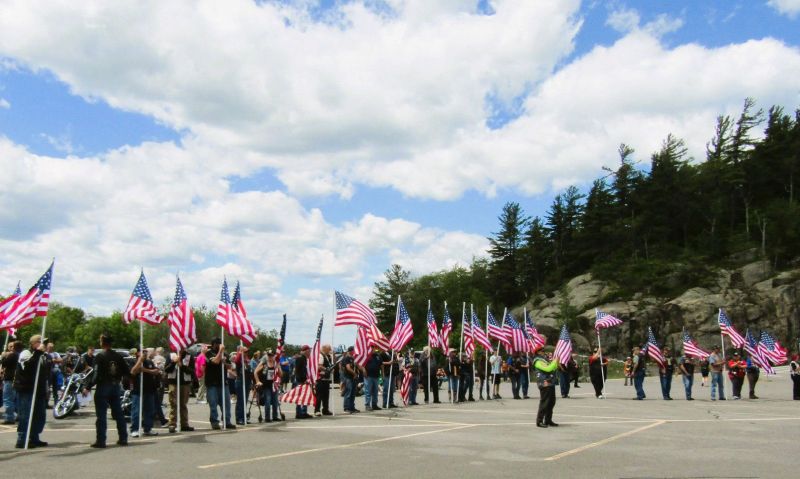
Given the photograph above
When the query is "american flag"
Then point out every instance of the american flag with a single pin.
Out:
(690, 347)
(276, 384)
(182, 332)
(563, 351)
(433, 331)
(141, 306)
(536, 341)
(5, 305)
(30, 305)
(225, 307)
(242, 327)
(402, 328)
(519, 339)
(605, 320)
(447, 327)
(313, 361)
(727, 328)
(405, 386)
(653, 350)
(497, 332)
(479, 334)
(772, 350)
(377, 339)
(751, 347)
(469, 343)
(352, 311)
(302, 394)
(361, 347)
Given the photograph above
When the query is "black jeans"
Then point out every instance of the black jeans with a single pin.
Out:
(323, 396)
(752, 379)
(434, 388)
(737, 383)
(547, 401)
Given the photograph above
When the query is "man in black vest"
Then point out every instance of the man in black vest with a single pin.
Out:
(108, 372)
(323, 385)
(428, 370)
(300, 377)
(27, 405)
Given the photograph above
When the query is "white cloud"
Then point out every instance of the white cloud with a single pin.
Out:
(623, 20)
(790, 8)
(4, 103)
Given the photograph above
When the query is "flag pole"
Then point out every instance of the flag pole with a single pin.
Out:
(499, 356)
(600, 350)
(722, 342)
(527, 350)
(333, 348)
(447, 354)
(486, 356)
(460, 348)
(430, 393)
(244, 381)
(222, 371)
(389, 395)
(474, 346)
(141, 377)
(5, 344)
(35, 387)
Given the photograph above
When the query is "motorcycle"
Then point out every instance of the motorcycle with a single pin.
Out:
(68, 399)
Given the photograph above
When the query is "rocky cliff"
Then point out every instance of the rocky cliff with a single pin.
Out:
(754, 296)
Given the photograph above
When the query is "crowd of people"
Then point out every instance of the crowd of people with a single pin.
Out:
(213, 376)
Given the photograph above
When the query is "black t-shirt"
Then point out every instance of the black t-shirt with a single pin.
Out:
(395, 368)
(300, 369)
(424, 367)
(348, 360)
(150, 380)
(267, 374)
(10, 366)
(110, 367)
(373, 366)
(86, 362)
(213, 374)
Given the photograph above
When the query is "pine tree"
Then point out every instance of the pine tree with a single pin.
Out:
(384, 295)
(505, 253)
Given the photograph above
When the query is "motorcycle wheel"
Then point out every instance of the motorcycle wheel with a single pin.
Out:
(65, 406)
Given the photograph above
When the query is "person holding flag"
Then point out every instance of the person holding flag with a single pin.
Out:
(428, 368)
(31, 376)
(267, 372)
(545, 379)
(217, 392)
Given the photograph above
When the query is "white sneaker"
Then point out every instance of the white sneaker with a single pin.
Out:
(601, 397)
(134, 433)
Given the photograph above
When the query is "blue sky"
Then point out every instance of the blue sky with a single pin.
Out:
(358, 150)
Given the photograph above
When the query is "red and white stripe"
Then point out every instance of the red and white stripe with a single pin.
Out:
(29, 306)
(302, 395)
(405, 386)
(182, 333)
(361, 347)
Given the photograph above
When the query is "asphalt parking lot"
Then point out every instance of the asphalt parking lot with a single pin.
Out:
(612, 437)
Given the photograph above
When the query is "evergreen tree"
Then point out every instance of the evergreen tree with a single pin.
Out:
(384, 295)
(535, 257)
(505, 253)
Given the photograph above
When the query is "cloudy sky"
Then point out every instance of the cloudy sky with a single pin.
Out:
(304, 146)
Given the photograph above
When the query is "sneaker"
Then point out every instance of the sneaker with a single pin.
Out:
(392, 406)
(601, 397)
(327, 413)
(202, 402)
(151, 433)
(376, 408)
(690, 399)
(526, 397)
(355, 411)
(134, 433)
(215, 426)
(317, 414)
(230, 426)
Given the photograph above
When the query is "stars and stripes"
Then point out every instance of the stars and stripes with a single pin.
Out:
(690, 347)
(182, 332)
(653, 350)
(350, 311)
(604, 320)
(497, 332)
(519, 339)
(563, 351)
(32, 304)
(536, 341)
(242, 328)
(469, 343)
(755, 353)
(5, 305)
(376, 338)
(727, 329)
(405, 386)
(402, 328)
(276, 384)
(140, 305)
(313, 361)
(302, 395)
(772, 350)
(479, 335)
(433, 330)
(447, 328)
(361, 347)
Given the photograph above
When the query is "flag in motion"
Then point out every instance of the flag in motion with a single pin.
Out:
(751, 347)
(536, 341)
(242, 328)
(5, 305)
(727, 328)
(605, 320)
(563, 351)
(433, 331)
(690, 347)
(479, 335)
(402, 328)
(350, 311)
(313, 361)
(772, 350)
(466, 326)
(34, 303)
(181, 321)
(497, 332)
(141, 306)
(447, 327)
(302, 395)
(361, 348)
(276, 384)
(653, 351)
(519, 339)
(405, 386)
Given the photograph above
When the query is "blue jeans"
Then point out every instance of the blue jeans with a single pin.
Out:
(215, 401)
(10, 400)
(148, 408)
(717, 380)
(388, 391)
(666, 385)
(24, 404)
(564, 382)
(412, 392)
(454, 388)
(241, 400)
(299, 410)
(514, 384)
(349, 394)
(270, 401)
(688, 381)
(638, 383)
(523, 381)
(370, 392)
(105, 396)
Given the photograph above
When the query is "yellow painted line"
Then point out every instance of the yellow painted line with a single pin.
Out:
(330, 448)
(604, 441)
